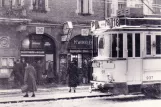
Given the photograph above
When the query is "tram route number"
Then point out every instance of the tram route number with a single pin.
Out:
(113, 22)
(149, 77)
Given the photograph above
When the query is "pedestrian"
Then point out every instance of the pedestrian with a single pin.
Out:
(73, 77)
(30, 79)
(50, 72)
(39, 72)
(23, 67)
(18, 73)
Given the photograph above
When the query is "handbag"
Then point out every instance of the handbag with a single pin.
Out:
(24, 88)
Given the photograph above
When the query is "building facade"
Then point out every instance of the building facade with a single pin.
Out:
(148, 7)
(43, 29)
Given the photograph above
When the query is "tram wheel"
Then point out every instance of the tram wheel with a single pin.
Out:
(153, 92)
(157, 91)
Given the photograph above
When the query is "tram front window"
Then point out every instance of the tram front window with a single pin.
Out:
(148, 44)
(117, 45)
(114, 45)
(158, 44)
(137, 45)
(129, 44)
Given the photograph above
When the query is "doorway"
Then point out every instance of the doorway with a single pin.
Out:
(40, 47)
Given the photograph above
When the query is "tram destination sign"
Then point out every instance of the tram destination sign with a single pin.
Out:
(108, 23)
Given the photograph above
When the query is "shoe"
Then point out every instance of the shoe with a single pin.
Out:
(69, 90)
(33, 95)
(26, 95)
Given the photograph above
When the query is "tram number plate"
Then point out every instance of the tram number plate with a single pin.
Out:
(149, 77)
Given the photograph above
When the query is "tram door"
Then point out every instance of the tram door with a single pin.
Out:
(134, 62)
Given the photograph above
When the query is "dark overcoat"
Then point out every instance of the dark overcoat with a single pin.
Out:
(73, 78)
(30, 78)
(50, 71)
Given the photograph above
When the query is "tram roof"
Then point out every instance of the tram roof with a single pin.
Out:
(127, 23)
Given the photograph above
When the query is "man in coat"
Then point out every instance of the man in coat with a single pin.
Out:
(30, 79)
(73, 78)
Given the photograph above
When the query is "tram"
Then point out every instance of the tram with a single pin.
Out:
(129, 57)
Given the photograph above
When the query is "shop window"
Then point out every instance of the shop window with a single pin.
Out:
(148, 44)
(137, 45)
(7, 62)
(84, 7)
(39, 5)
(4, 62)
(130, 45)
(36, 42)
(158, 44)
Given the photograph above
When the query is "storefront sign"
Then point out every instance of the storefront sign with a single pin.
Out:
(80, 51)
(39, 30)
(4, 42)
(80, 42)
(84, 32)
(32, 53)
(67, 31)
(66, 27)
(64, 38)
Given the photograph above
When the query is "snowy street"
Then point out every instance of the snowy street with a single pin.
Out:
(117, 101)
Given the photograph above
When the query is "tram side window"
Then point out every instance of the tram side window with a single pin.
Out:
(114, 45)
(158, 44)
(148, 44)
(137, 45)
(120, 38)
(129, 44)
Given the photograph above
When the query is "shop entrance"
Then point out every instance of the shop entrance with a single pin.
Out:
(84, 66)
(40, 50)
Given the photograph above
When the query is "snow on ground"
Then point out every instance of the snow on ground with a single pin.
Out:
(123, 101)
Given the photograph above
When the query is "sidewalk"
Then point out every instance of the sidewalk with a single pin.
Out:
(50, 94)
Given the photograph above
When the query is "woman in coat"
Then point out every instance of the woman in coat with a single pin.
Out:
(72, 76)
(30, 79)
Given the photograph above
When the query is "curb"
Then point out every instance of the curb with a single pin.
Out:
(54, 99)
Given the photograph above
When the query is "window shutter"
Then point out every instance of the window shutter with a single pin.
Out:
(22, 2)
(78, 6)
(47, 5)
(85, 6)
(31, 5)
(91, 7)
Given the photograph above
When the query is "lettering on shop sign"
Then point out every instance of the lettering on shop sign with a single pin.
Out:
(79, 42)
(32, 52)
